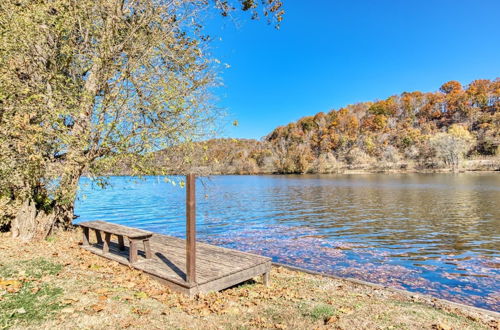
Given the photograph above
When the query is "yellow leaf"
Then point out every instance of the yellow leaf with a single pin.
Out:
(142, 295)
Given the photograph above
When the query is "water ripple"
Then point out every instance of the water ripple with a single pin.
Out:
(432, 233)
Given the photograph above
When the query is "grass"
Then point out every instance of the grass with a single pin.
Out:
(26, 299)
(33, 268)
(92, 292)
(321, 312)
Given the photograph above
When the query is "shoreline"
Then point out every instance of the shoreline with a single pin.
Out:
(344, 172)
(413, 295)
(485, 165)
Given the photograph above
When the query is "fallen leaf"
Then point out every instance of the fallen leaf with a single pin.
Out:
(140, 311)
(140, 294)
(97, 308)
(102, 291)
(6, 284)
(68, 310)
(441, 326)
(332, 319)
(126, 323)
(205, 312)
(69, 301)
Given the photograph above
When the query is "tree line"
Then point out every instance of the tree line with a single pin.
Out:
(410, 131)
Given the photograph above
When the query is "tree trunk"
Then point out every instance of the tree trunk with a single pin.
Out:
(32, 224)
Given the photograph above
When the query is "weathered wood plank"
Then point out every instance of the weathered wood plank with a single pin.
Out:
(235, 278)
(116, 229)
(216, 268)
(218, 258)
(176, 259)
(215, 250)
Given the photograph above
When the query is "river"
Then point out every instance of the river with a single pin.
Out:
(437, 234)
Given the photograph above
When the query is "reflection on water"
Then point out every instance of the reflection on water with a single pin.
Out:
(431, 233)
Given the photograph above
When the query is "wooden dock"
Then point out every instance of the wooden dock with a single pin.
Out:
(184, 265)
(217, 268)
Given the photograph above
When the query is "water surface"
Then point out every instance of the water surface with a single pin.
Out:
(432, 233)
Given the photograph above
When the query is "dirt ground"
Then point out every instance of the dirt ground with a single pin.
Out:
(55, 284)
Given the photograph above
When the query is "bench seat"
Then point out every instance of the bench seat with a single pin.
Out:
(134, 236)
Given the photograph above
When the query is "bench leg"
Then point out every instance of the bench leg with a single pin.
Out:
(107, 239)
(98, 236)
(120, 242)
(266, 279)
(85, 236)
(147, 249)
(133, 251)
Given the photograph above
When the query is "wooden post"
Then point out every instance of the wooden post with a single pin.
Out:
(132, 251)
(107, 240)
(86, 236)
(98, 236)
(121, 243)
(190, 229)
(266, 278)
(147, 249)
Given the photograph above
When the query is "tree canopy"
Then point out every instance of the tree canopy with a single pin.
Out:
(88, 84)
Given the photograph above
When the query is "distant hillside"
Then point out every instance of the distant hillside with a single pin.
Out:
(414, 129)
(455, 127)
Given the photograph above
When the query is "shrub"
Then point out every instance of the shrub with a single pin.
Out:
(452, 146)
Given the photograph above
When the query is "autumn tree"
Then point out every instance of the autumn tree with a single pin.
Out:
(88, 84)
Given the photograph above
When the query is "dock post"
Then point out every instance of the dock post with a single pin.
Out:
(190, 229)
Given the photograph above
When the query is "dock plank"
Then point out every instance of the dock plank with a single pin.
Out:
(217, 268)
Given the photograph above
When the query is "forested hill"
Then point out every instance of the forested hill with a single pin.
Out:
(411, 129)
(456, 127)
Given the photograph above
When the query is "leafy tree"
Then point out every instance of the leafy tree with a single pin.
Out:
(88, 84)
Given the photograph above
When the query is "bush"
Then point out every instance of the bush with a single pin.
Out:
(391, 154)
(326, 163)
(357, 156)
(452, 146)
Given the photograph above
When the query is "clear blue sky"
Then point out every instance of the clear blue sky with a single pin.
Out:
(330, 53)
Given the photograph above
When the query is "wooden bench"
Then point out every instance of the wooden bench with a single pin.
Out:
(135, 236)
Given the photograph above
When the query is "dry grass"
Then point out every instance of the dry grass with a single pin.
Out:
(86, 291)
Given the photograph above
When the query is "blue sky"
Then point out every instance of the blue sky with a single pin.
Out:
(330, 53)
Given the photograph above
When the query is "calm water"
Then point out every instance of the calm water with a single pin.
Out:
(433, 233)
